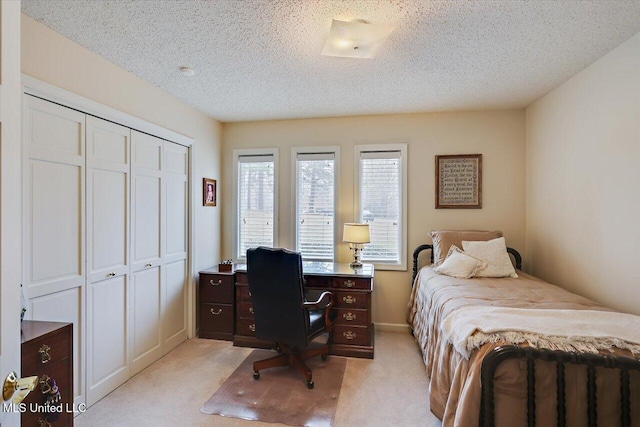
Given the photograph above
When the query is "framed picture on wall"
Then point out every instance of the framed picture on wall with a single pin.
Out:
(459, 181)
(208, 192)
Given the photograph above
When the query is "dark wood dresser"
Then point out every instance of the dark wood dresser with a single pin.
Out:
(216, 304)
(353, 333)
(47, 351)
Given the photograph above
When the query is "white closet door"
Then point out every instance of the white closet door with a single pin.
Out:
(54, 220)
(175, 226)
(146, 251)
(107, 254)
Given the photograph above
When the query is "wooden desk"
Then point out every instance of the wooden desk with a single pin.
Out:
(353, 333)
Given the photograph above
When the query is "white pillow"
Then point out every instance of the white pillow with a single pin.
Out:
(458, 264)
(494, 252)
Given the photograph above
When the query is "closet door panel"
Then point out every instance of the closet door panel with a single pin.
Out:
(108, 223)
(146, 318)
(146, 200)
(175, 230)
(176, 217)
(107, 366)
(146, 218)
(54, 220)
(107, 255)
(147, 261)
(175, 327)
(54, 140)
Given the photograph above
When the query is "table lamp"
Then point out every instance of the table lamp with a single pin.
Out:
(356, 235)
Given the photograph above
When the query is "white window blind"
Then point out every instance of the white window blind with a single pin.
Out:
(380, 196)
(315, 205)
(256, 188)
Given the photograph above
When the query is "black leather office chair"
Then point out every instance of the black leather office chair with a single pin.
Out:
(282, 314)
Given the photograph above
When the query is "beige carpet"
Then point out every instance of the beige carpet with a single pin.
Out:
(281, 394)
(390, 390)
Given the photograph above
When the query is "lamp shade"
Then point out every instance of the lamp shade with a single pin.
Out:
(356, 233)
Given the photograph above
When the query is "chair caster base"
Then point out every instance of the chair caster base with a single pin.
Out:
(256, 375)
(310, 384)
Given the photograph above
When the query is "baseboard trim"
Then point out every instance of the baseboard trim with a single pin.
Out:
(393, 327)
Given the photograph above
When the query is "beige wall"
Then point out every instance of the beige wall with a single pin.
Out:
(583, 181)
(52, 58)
(499, 136)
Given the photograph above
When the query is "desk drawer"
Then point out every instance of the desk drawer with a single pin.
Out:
(216, 288)
(42, 352)
(351, 283)
(246, 327)
(351, 299)
(242, 278)
(354, 335)
(243, 293)
(216, 317)
(245, 309)
(354, 317)
(323, 282)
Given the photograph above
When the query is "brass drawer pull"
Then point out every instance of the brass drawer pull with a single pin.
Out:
(252, 327)
(112, 274)
(349, 335)
(349, 283)
(215, 313)
(249, 293)
(349, 299)
(45, 387)
(251, 310)
(45, 357)
(218, 283)
(42, 422)
(349, 316)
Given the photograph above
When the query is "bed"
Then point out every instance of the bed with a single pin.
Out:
(507, 384)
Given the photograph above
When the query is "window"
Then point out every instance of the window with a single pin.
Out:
(315, 202)
(381, 184)
(256, 211)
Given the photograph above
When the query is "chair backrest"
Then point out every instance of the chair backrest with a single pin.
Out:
(277, 294)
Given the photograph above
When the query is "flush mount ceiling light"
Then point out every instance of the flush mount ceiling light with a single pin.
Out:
(186, 71)
(355, 39)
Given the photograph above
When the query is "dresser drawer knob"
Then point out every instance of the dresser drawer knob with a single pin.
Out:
(249, 293)
(44, 353)
(349, 299)
(147, 265)
(349, 283)
(349, 335)
(213, 283)
(252, 327)
(112, 274)
(349, 316)
(251, 310)
(215, 313)
(42, 422)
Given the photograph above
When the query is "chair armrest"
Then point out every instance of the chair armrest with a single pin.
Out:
(328, 296)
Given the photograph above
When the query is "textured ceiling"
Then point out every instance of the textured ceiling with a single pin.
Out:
(258, 59)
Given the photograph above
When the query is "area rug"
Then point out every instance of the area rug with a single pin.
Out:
(281, 394)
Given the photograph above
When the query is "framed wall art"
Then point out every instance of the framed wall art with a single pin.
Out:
(208, 192)
(459, 181)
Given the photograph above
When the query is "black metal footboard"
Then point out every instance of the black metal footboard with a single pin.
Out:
(591, 361)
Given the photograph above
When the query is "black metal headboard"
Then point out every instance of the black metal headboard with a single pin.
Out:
(416, 253)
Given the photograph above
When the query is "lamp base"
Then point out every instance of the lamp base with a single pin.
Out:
(355, 265)
(356, 248)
